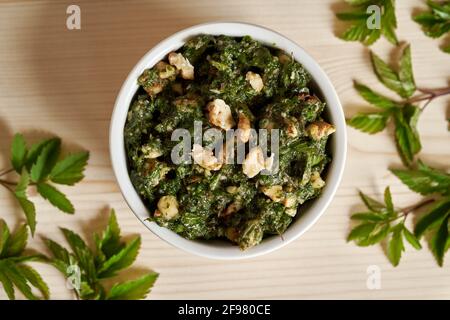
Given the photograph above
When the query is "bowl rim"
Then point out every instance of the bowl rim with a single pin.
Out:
(217, 249)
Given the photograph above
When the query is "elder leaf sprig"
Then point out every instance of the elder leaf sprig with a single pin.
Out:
(14, 270)
(384, 222)
(404, 113)
(435, 22)
(40, 166)
(110, 256)
(359, 31)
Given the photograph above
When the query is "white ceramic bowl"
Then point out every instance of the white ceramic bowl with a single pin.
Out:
(338, 142)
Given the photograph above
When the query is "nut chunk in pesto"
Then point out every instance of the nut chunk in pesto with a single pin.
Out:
(227, 83)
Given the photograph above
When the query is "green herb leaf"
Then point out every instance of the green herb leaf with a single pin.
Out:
(35, 279)
(82, 252)
(111, 256)
(436, 215)
(374, 98)
(436, 22)
(55, 197)
(359, 30)
(439, 241)
(18, 152)
(395, 245)
(11, 271)
(132, 290)
(405, 73)
(121, 260)
(70, 169)
(110, 243)
(34, 152)
(424, 180)
(372, 204)
(389, 22)
(46, 160)
(26, 205)
(406, 135)
(61, 257)
(4, 237)
(17, 242)
(411, 238)
(369, 122)
(7, 284)
(391, 79)
(361, 232)
(388, 201)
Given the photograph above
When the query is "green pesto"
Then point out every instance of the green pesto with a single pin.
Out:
(285, 102)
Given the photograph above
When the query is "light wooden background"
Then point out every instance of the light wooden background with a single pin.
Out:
(53, 80)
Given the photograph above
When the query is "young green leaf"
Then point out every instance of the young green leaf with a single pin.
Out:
(70, 169)
(35, 279)
(388, 201)
(17, 242)
(372, 204)
(26, 205)
(391, 79)
(374, 98)
(7, 284)
(369, 122)
(111, 256)
(411, 238)
(132, 290)
(18, 152)
(405, 73)
(439, 241)
(406, 135)
(4, 237)
(46, 160)
(14, 273)
(436, 22)
(424, 180)
(109, 243)
(55, 197)
(84, 255)
(34, 152)
(16, 277)
(361, 16)
(395, 245)
(436, 215)
(389, 22)
(361, 232)
(121, 260)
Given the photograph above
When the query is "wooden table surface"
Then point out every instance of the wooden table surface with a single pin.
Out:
(56, 81)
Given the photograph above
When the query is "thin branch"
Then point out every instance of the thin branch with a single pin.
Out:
(417, 206)
(7, 182)
(2, 173)
(428, 95)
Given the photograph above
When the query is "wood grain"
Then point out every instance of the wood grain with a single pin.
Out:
(53, 80)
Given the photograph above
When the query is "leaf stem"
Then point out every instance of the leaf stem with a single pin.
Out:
(417, 206)
(428, 95)
(7, 187)
(7, 182)
(2, 173)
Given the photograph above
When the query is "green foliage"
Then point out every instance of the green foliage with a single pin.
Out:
(40, 165)
(382, 222)
(14, 272)
(403, 114)
(358, 17)
(435, 22)
(110, 256)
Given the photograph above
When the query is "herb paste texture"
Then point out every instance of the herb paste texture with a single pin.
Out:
(226, 82)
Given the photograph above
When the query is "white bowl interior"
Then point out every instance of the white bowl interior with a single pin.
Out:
(221, 249)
